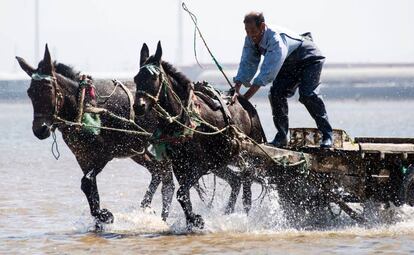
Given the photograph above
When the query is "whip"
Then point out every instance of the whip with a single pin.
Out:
(194, 19)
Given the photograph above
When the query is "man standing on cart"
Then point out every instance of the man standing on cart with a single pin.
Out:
(290, 61)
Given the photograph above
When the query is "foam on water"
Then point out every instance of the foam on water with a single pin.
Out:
(267, 218)
(139, 221)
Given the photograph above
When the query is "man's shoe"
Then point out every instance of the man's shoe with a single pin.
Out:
(279, 143)
(326, 142)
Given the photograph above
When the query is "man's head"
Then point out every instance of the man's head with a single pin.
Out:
(254, 24)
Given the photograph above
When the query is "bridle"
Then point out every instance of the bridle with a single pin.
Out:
(186, 107)
(58, 94)
(164, 83)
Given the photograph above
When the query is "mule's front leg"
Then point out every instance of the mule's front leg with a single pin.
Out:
(91, 167)
(90, 189)
(183, 197)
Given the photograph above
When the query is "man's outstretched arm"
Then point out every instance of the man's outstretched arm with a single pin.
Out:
(251, 91)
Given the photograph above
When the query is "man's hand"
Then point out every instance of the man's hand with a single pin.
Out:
(236, 92)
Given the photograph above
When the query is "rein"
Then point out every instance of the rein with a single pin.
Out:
(57, 121)
(165, 84)
(192, 115)
(92, 109)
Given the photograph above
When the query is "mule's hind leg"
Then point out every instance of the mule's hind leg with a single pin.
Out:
(153, 168)
(247, 194)
(91, 168)
(234, 180)
(152, 188)
(160, 172)
(167, 191)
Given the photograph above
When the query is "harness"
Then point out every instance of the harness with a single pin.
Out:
(130, 98)
(213, 98)
(58, 93)
(59, 99)
(155, 70)
(189, 108)
(58, 104)
(87, 99)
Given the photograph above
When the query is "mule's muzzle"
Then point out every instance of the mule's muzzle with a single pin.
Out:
(41, 131)
(140, 107)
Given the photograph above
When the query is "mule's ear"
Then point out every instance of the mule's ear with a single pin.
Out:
(47, 67)
(158, 53)
(144, 54)
(25, 66)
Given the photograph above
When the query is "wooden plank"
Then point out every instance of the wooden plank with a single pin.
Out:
(338, 164)
(395, 140)
(316, 162)
(386, 148)
(308, 137)
(263, 150)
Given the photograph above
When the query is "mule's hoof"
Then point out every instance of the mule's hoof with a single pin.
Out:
(148, 210)
(228, 210)
(105, 216)
(164, 215)
(195, 222)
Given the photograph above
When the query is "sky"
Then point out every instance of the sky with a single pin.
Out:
(107, 35)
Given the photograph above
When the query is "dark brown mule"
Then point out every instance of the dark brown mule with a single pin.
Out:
(161, 87)
(53, 91)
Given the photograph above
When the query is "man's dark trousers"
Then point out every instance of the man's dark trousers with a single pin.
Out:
(302, 69)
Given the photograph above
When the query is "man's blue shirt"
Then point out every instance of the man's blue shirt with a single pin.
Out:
(276, 45)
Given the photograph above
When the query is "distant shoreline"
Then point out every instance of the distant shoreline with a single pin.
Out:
(402, 90)
(332, 72)
(380, 81)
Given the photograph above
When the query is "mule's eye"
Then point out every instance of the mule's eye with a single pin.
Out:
(154, 77)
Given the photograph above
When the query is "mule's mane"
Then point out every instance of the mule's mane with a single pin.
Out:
(178, 76)
(174, 73)
(67, 71)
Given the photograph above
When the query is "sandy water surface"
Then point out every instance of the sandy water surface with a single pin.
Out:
(43, 210)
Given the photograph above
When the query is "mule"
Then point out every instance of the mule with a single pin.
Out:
(210, 147)
(53, 92)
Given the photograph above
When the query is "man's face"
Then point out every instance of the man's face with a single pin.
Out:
(254, 32)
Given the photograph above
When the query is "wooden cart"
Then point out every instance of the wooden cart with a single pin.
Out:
(357, 170)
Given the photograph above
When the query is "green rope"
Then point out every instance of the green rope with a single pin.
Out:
(194, 19)
(194, 116)
(282, 161)
(174, 119)
(71, 123)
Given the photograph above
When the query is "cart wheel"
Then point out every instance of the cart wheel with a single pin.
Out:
(407, 187)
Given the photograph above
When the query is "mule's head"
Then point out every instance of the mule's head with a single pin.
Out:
(44, 94)
(149, 80)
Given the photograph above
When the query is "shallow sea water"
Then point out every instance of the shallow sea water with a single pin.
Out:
(43, 210)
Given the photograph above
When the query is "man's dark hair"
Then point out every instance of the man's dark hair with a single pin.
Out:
(255, 17)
